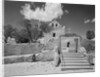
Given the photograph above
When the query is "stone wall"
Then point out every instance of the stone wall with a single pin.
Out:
(21, 49)
(15, 53)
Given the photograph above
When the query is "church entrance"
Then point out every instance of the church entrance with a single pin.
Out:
(69, 44)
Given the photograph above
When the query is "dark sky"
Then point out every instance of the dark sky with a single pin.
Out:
(74, 20)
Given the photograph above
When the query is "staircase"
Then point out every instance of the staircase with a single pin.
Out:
(74, 61)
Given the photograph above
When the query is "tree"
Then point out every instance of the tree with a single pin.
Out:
(23, 36)
(8, 31)
(90, 47)
(39, 29)
(27, 25)
(90, 34)
(35, 31)
(45, 28)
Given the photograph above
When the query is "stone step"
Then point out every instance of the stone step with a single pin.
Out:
(75, 54)
(75, 61)
(74, 64)
(71, 61)
(73, 58)
(78, 67)
(67, 53)
(72, 55)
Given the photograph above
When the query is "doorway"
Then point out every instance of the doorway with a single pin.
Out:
(69, 45)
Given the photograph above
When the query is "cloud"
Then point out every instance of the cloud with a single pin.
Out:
(93, 20)
(87, 21)
(46, 13)
(66, 11)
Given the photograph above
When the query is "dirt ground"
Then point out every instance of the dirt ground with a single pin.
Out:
(20, 69)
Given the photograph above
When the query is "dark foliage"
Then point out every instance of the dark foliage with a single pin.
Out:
(45, 28)
(90, 48)
(89, 45)
(29, 34)
(23, 36)
(35, 31)
(90, 34)
(9, 31)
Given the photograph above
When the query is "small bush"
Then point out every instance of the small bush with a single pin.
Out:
(89, 45)
(91, 58)
(90, 48)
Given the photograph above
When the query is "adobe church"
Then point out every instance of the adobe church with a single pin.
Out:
(58, 36)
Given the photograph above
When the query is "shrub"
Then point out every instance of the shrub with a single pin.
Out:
(89, 45)
(90, 48)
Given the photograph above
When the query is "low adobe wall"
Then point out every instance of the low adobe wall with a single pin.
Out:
(21, 49)
(14, 53)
